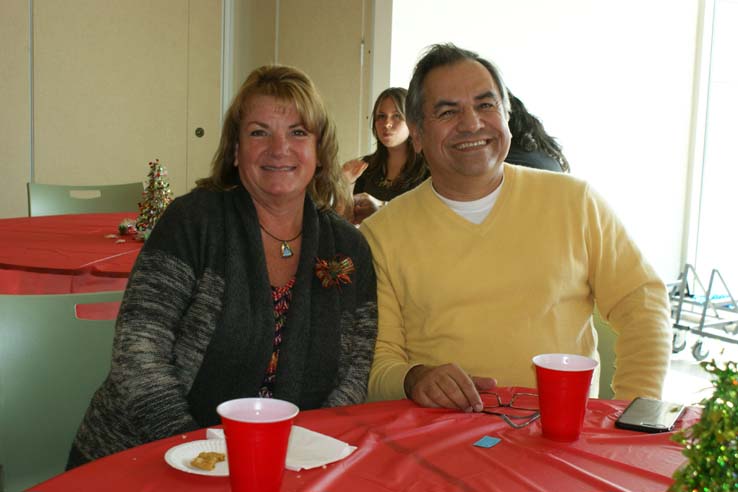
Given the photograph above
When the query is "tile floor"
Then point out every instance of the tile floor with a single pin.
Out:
(687, 382)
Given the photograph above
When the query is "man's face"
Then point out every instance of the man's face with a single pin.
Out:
(464, 134)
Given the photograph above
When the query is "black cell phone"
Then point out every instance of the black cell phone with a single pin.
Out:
(649, 415)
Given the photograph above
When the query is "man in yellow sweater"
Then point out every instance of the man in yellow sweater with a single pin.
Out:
(486, 264)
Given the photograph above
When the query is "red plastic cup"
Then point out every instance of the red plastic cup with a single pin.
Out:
(257, 431)
(563, 392)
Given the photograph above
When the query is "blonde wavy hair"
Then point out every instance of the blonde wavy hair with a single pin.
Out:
(293, 86)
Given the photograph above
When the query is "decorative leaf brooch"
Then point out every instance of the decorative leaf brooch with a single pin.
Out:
(334, 272)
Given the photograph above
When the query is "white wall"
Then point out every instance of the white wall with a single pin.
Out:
(92, 91)
(15, 101)
(611, 80)
(331, 40)
(328, 40)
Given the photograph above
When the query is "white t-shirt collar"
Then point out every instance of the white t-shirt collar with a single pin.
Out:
(476, 210)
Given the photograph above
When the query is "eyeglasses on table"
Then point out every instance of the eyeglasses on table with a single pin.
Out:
(521, 407)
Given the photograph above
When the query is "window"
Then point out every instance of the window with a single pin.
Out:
(714, 234)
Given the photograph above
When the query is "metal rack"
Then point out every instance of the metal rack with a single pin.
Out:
(710, 312)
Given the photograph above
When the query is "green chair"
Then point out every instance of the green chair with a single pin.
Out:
(606, 347)
(51, 363)
(45, 199)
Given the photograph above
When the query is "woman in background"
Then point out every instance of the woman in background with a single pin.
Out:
(394, 167)
(530, 145)
(250, 285)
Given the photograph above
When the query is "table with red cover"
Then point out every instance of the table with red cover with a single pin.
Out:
(403, 447)
(62, 254)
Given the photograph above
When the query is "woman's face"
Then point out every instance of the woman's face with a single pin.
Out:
(389, 124)
(276, 155)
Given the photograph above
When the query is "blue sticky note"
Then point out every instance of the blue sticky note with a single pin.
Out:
(487, 442)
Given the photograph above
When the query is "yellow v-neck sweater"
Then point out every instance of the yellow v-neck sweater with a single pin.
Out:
(490, 296)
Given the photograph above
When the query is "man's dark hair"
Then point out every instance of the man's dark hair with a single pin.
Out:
(440, 55)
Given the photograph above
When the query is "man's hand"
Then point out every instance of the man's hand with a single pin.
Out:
(446, 386)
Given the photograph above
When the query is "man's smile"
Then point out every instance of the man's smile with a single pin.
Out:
(470, 145)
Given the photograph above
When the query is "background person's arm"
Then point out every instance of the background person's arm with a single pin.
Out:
(365, 205)
(352, 170)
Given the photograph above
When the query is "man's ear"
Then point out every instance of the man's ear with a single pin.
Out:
(415, 134)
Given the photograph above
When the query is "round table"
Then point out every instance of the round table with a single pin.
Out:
(403, 447)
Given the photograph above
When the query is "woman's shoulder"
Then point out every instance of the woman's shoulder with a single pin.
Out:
(344, 232)
(189, 219)
(196, 205)
(203, 195)
(536, 159)
(336, 222)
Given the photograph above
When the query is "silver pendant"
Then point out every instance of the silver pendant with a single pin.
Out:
(286, 250)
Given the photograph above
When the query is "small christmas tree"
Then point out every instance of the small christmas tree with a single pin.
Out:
(156, 198)
(712, 443)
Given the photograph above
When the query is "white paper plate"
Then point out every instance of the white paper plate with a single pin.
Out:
(179, 457)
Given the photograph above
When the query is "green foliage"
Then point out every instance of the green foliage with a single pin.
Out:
(711, 445)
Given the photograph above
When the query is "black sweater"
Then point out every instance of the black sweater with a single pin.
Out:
(196, 325)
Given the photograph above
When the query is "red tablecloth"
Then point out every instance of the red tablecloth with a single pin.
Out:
(402, 447)
(62, 254)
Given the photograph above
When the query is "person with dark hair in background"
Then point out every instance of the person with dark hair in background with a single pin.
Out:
(487, 264)
(530, 145)
(394, 167)
(249, 286)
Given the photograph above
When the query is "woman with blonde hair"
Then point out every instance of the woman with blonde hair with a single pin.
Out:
(250, 285)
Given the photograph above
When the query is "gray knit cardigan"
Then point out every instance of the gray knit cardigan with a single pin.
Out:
(196, 325)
